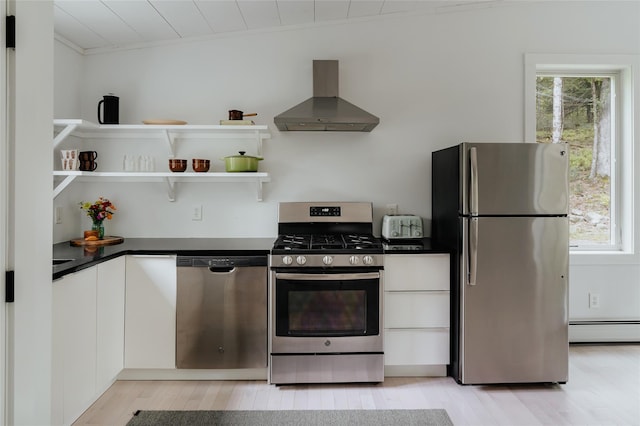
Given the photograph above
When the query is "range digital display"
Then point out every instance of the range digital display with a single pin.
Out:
(324, 211)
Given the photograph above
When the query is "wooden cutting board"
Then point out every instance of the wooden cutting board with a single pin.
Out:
(106, 241)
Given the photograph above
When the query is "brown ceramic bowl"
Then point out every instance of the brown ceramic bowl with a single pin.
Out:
(90, 233)
(176, 165)
(200, 165)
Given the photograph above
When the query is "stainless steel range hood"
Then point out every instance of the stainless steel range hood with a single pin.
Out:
(325, 111)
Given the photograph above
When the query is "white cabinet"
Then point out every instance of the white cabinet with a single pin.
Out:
(88, 335)
(417, 309)
(110, 321)
(150, 312)
(74, 345)
(167, 134)
(416, 312)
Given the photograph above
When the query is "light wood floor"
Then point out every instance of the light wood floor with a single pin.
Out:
(603, 389)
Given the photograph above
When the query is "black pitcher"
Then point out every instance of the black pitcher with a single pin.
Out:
(110, 110)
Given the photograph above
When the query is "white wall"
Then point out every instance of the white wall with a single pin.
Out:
(434, 81)
(67, 92)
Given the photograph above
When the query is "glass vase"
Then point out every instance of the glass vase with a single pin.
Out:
(98, 226)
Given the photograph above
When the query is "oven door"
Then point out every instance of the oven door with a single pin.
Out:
(326, 312)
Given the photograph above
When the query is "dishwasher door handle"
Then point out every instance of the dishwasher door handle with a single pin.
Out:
(222, 269)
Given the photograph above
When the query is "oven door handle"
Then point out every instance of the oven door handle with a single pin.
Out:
(328, 277)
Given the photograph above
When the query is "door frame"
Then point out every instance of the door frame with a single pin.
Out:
(4, 216)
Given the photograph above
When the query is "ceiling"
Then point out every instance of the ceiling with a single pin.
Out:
(97, 25)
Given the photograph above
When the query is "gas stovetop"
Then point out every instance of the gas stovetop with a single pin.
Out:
(311, 243)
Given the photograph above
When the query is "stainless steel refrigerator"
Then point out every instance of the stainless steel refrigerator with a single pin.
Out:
(502, 210)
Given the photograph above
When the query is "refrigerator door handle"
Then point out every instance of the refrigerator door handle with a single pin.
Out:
(473, 250)
(473, 181)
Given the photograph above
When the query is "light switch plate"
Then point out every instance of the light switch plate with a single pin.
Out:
(196, 213)
(58, 215)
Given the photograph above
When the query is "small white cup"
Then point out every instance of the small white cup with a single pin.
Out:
(70, 163)
(130, 163)
(147, 163)
(69, 153)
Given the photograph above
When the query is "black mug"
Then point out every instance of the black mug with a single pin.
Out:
(88, 165)
(110, 110)
(87, 155)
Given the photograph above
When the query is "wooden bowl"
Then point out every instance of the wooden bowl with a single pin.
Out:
(177, 165)
(200, 165)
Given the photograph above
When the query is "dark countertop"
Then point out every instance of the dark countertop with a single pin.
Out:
(423, 245)
(83, 258)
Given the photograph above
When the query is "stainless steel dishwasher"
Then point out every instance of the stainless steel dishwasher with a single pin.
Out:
(221, 312)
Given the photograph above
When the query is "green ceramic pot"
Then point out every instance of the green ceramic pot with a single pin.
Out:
(241, 163)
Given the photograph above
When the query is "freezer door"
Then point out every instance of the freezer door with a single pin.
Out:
(514, 179)
(514, 300)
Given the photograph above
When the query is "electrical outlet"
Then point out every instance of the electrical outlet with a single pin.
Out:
(196, 213)
(58, 215)
(594, 300)
(392, 209)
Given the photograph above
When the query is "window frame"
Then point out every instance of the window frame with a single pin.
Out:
(626, 156)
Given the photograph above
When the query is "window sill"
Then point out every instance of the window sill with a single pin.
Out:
(600, 257)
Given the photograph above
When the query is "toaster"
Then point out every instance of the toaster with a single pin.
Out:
(402, 227)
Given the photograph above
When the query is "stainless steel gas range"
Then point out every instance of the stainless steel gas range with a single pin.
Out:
(325, 295)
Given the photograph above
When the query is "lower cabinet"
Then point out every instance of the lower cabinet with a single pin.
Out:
(74, 350)
(150, 312)
(110, 321)
(416, 314)
(88, 330)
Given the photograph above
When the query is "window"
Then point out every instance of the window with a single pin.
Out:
(589, 102)
(579, 110)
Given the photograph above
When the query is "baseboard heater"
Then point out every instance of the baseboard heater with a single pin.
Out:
(604, 331)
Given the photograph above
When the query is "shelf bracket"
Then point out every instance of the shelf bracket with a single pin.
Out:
(63, 134)
(62, 185)
(259, 143)
(171, 141)
(171, 189)
(259, 190)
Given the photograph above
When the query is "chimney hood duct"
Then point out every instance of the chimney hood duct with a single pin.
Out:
(325, 111)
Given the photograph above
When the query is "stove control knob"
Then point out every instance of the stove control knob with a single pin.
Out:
(354, 260)
(287, 260)
(367, 260)
(327, 260)
(301, 260)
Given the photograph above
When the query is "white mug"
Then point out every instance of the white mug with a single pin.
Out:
(70, 163)
(69, 153)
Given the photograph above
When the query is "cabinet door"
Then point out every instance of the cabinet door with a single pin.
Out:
(407, 272)
(416, 309)
(150, 312)
(74, 345)
(110, 321)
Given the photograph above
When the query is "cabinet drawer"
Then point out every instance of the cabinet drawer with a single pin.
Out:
(416, 347)
(416, 309)
(416, 272)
